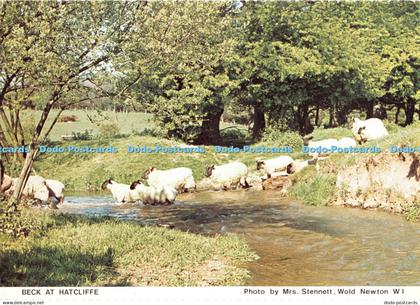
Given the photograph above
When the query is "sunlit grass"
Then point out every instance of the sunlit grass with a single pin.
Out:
(78, 251)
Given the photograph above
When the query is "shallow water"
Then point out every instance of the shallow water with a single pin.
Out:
(297, 244)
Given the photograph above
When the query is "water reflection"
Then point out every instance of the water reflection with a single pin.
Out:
(298, 245)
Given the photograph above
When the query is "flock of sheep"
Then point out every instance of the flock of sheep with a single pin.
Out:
(38, 188)
(164, 185)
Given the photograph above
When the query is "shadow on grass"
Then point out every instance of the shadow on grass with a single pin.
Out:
(54, 266)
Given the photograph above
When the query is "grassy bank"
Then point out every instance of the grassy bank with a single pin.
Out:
(76, 251)
(319, 188)
(83, 172)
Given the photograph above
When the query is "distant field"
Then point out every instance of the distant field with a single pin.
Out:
(128, 122)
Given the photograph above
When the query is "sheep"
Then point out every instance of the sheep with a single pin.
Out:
(228, 175)
(274, 165)
(371, 129)
(120, 192)
(56, 189)
(346, 142)
(318, 148)
(180, 178)
(7, 182)
(35, 188)
(162, 194)
(298, 165)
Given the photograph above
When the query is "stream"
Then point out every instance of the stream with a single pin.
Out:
(297, 244)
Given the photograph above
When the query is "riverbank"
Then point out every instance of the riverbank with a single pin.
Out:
(86, 171)
(64, 250)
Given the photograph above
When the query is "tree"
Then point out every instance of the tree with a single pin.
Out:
(181, 53)
(49, 51)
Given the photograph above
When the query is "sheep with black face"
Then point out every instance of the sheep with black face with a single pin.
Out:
(162, 194)
(180, 178)
(230, 175)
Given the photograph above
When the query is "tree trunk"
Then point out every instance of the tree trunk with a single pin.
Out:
(317, 116)
(410, 109)
(331, 120)
(397, 114)
(303, 120)
(369, 109)
(259, 123)
(29, 160)
(210, 128)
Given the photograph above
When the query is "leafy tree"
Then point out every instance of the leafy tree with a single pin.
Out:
(49, 52)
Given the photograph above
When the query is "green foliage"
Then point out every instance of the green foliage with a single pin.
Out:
(288, 138)
(79, 251)
(317, 190)
(82, 136)
(108, 130)
(233, 135)
(412, 213)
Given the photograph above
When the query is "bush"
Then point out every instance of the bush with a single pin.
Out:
(67, 118)
(391, 127)
(232, 135)
(108, 130)
(152, 132)
(82, 136)
(288, 138)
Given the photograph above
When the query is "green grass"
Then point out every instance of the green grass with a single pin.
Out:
(128, 122)
(315, 189)
(83, 172)
(319, 188)
(78, 251)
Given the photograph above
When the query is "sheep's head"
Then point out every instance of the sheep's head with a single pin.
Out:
(290, 169)
(357, 123)
(134, 184)
(209, 170)
(147, 172)
(307, 138)
(260, 165)
(360, 137)
(105, 183)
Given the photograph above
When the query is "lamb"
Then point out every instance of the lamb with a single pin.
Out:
(371, 129)
(320, 148)
(274, 165)
(120, 192)
(229, 175)
(162, 194)
(180, 178)
(56, 189)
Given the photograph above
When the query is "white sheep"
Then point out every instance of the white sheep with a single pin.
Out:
(346, 142)
(7, 182)
(180, 178)
(371, 129)
(274, 165)
(120, 192)
(228, 175)
(298, 165)
(162, 194)
(35, 188)
(320, 148)
(56, 189)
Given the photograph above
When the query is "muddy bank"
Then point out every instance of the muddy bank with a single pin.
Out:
(386, 181)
